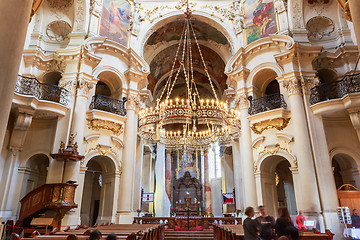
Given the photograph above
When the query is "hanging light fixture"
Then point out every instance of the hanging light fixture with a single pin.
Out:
(192, 123)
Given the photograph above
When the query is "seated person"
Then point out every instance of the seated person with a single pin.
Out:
(355, 219)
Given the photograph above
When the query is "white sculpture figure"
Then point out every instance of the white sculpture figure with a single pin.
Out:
(135, 18)
(238, 17)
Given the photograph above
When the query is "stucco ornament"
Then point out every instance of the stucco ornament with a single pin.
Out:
(292, 86)
(272, 151)
(320, 27)
(98, 124)
(242, 102)
(84, 87)
(58, 30)
(277, 123)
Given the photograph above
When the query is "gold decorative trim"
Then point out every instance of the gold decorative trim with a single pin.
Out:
(283, 145)
(344, 4)
(35, 7)
(98, 124)
(278, 123)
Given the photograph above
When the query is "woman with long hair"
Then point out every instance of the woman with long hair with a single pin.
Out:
(284, 225)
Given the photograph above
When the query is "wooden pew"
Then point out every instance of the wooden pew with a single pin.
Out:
(236, 232)
(123, 231)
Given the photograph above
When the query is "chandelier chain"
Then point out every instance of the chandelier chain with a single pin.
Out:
(203, 61)
(167, 84)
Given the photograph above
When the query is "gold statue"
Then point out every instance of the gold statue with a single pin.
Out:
(75, 148)
(71, 139)
(62, 147)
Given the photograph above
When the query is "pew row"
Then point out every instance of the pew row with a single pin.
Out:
(123, 231)
(236, 232)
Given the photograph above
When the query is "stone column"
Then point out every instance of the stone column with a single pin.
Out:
(237, 175)
(246, 155)
(168, 161)
(202, 174)
(162, 202)
(207, 187)
(10, 192)
(307, 197)
(138, 175)
(14, 20)
(125, 203)
(72, 168)
(323, 164)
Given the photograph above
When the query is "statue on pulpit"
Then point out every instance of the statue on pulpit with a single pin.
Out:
(187, 192)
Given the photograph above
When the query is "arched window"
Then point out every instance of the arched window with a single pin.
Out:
(52, 78)
(272, 87)
(326, 75)
(102, 89)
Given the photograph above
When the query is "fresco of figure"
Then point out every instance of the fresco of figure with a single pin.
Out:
(260, 18)
(115, 20)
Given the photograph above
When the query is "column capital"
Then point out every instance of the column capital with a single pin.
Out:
(242, 101)
(308, 82)
(133, 102)
(292, 86)
(84, 88)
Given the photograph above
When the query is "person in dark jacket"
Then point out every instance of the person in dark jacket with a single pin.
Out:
(251, 228)
(284, 225)
(266, 224)
(355, 219)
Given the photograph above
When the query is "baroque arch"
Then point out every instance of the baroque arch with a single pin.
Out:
(162, 43)
(262, 75)
(120, 80)
(199, 16)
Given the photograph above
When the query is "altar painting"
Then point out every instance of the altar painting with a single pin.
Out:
(187, 161)
(114, 22)
(260, 19)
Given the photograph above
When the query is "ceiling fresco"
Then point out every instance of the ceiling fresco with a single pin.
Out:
(162, 63)
(172, 31)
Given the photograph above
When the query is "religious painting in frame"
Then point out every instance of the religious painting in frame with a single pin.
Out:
(187, 161)
(260, 19)
(114, 23)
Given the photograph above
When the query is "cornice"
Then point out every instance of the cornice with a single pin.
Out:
(94, 44)
(280, 42)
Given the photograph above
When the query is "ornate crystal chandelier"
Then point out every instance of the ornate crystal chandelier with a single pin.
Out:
(192, 123)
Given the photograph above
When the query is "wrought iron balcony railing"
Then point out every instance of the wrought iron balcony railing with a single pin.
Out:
(108, 104)
(337, 89)
(42, 91)
(267, 103)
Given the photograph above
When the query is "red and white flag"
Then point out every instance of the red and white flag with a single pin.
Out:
(148, 197)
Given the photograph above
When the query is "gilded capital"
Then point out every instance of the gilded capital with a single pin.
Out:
(292, 86)
(242, 102)
(84, 88)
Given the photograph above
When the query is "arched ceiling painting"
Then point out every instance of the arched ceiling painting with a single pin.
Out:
(161, 47)
(173, 30)
(161, 65)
